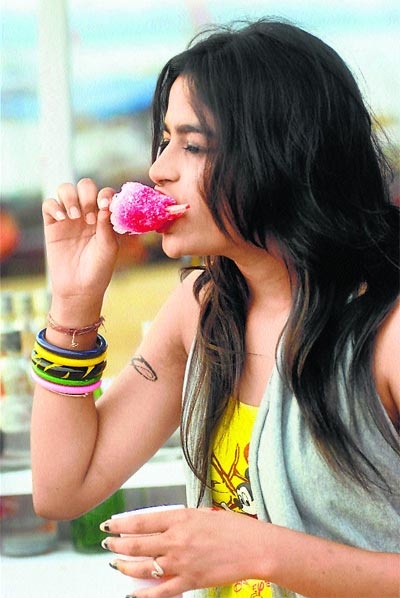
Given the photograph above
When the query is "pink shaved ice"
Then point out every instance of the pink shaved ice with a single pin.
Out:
(139, 209)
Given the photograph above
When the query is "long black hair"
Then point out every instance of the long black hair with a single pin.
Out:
(297, 159)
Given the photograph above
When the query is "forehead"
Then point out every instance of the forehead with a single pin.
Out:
(179, 103)
(181, 111)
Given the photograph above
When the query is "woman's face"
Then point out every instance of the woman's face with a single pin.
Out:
(178, 172)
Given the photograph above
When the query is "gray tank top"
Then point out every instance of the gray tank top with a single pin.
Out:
(294, 487)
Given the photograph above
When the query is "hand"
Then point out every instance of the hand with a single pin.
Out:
(203, 548)
(196, 548)
(80, 242)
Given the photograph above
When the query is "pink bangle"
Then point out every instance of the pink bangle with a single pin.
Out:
(65, 390)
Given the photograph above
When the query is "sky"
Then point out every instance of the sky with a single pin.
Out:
(359, 4)
(120, 46)
(135, 37)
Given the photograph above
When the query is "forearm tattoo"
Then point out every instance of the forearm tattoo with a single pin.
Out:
(143, 368)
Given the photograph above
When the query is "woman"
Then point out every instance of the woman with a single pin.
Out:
(288, 336)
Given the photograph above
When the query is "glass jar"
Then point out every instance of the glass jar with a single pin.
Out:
(23, 533)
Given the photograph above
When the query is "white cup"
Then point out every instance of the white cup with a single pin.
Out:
(139, 583)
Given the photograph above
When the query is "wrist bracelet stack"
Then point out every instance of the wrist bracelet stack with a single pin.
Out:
(74, 332)
(65, 371)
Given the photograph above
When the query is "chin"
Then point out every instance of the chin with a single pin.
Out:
(180, 246)
(171, 249)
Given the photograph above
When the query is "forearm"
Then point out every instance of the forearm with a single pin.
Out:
(63, 437)
(320, 568)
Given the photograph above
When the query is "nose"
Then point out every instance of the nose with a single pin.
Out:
(163, 169)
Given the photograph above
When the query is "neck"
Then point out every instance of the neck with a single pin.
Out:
(268, 280)
(270, 287)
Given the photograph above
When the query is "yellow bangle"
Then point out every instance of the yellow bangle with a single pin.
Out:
(59, 360)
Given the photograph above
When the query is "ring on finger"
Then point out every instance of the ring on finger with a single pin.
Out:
(157, 571)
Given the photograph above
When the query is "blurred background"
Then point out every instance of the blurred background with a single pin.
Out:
(104, 76)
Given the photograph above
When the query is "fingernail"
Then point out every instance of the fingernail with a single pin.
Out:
(90, 218)
(114, 565)
(105, 527)
(103, 203)
(74, 212)
(104, 544)
(60, 215)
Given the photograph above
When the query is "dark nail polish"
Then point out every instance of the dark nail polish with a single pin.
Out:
(105, 525)
(113, 565)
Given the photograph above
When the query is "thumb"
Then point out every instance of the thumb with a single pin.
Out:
(104, 198)
(104, 231)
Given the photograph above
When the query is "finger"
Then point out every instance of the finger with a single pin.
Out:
(87, 194)
(149, 545)
(52, 211)
(149, 587)
(104, 198)
(68, 198)
(145, 523)
(103, 217)
(142, 568)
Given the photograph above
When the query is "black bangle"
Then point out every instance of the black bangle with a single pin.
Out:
(101, 347)
(68, 371)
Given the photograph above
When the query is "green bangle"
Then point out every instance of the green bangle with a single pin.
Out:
(64, 381)
(65, 371)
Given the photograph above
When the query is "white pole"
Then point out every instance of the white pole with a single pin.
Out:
(54, 95)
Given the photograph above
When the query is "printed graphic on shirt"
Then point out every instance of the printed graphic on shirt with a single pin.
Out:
(251, 588)
(231, 487)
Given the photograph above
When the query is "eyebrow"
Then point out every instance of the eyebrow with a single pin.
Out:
(187, 128)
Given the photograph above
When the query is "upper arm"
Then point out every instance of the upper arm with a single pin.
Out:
(142, 407)
(387, 363)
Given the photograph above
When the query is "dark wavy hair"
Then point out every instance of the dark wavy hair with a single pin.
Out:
(297, 159)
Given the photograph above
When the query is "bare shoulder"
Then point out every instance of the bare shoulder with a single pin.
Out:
(387, 362)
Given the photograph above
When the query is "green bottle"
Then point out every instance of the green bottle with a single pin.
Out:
(85, 533)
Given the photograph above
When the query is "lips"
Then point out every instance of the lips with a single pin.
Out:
(176, 212)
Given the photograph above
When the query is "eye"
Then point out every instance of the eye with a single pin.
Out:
(193, 149)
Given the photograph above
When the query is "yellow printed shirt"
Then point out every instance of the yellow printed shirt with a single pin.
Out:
(230, 483)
